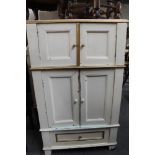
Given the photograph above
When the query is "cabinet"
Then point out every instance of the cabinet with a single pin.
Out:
(77, 70)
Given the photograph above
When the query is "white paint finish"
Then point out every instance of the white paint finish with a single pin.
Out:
(113, 135)
(97, 92)
(121, 43)
(92, 51)
(94, 111)
(99, 44)
(46, 139)
(61, 92)
(79, 136)
(58, 92)
(40, 100)
(56, 44)
(118, 81)
(86, 145)
(61, 86)
(47, 152)
(33, 45)
(41, 106)
(79, 128)
(76, 137)
(116, 103)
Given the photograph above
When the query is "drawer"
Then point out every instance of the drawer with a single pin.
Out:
(79, 136)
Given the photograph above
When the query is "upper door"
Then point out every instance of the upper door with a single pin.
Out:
(98, 43)
(96, 96)
(57, 44)
(62, 98)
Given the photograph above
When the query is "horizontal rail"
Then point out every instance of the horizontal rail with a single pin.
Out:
(75, 67)
(79, 128)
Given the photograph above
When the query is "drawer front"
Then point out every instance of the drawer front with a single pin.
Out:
(80, 136)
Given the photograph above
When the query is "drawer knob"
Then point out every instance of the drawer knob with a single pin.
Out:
(80, 137)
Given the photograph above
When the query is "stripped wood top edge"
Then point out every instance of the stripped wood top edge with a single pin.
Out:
(77, 21)
(75, 67)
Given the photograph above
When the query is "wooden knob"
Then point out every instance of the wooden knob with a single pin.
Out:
(75, 101)
(73, 46)
(82, 45)
(80, 137)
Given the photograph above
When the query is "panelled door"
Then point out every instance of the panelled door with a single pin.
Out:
(97, 43)
(62, 97)
(96, 96)
(57, 44)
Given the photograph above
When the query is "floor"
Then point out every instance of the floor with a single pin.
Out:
(34, 142)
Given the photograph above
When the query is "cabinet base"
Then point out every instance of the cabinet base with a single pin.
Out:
(111, 145)
(48, 152)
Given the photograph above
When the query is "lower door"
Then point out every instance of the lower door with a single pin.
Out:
(61, 95)
(96, 96)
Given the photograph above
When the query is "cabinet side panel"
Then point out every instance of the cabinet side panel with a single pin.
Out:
(116, 102)
(33, 45)
(121, 43)
(39, 95)
(117, 95)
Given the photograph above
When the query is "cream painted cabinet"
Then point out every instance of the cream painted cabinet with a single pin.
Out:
(77, 69)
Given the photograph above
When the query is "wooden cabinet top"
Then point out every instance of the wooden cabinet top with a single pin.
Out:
(77, 21)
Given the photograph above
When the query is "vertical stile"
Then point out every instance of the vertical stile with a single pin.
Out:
(78, 43)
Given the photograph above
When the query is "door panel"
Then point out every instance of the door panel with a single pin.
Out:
(97, 44)
(61, 95)
(56, 44)
(96, 96)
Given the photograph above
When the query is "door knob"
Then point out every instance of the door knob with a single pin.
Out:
(82, 101)
(73, 46)
(75, 101)
(82, 45)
